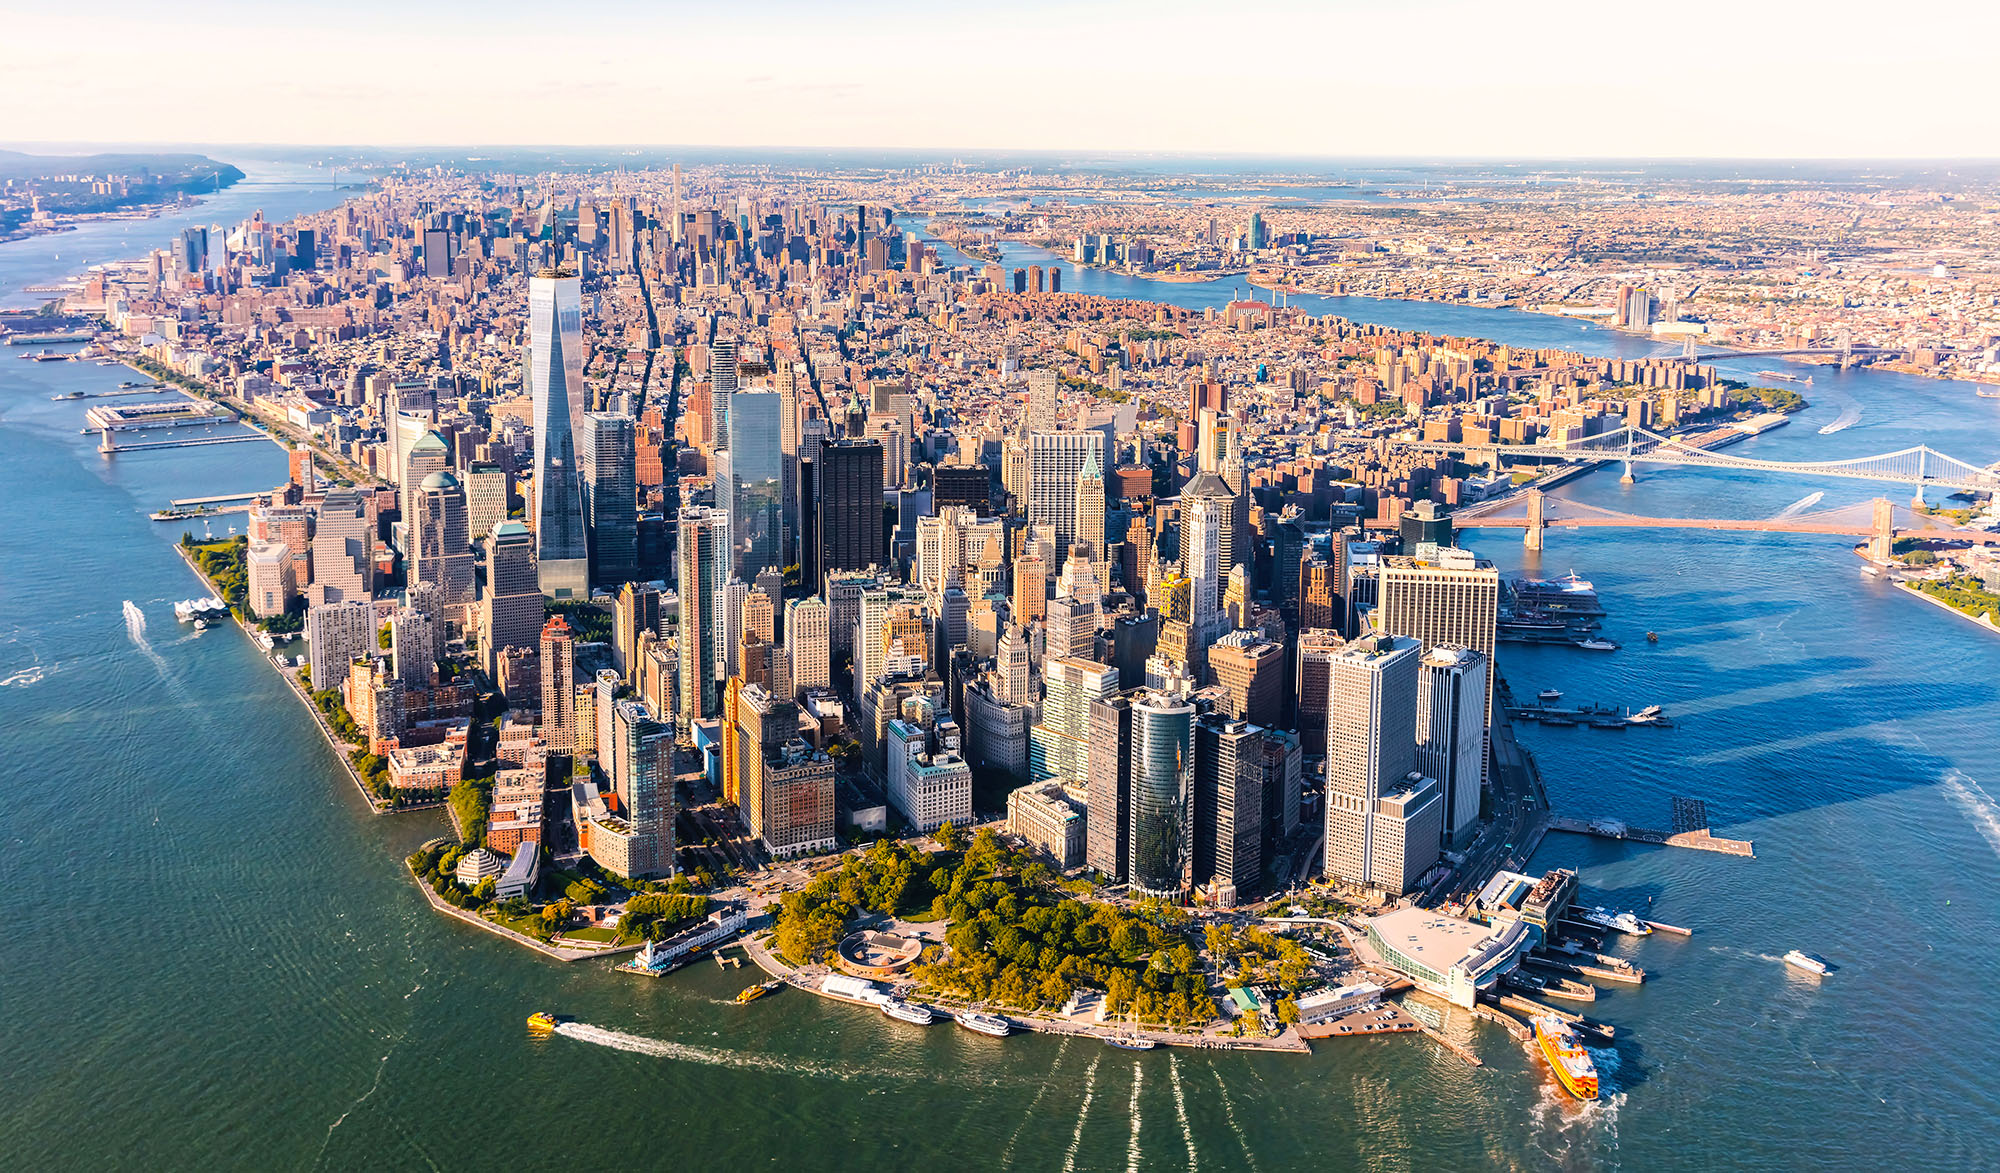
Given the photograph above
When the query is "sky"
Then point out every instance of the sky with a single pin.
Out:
(1422, 78)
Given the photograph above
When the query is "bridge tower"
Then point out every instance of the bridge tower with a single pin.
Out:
(1628, 478)
(1882, 546)
(1917, 502)
(1536, 522)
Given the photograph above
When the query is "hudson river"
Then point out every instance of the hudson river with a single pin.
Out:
(212, 957)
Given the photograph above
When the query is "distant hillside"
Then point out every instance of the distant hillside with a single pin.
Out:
(190, 172)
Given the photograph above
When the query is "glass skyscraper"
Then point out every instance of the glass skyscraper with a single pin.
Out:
(555, 373)
(756, 482)
(1162, 788)
(608, 447)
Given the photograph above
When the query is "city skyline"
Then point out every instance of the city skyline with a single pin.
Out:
(819, 83)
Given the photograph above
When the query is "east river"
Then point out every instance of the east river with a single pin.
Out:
(211, 959)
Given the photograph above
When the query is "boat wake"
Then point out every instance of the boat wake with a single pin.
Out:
(24, 678)
(1745, 954)
(1569, 1118)
(618, 1040)
(1850, 414)
(1082, 1114)
(135, 629)
(1799, 506)
(1978, 805)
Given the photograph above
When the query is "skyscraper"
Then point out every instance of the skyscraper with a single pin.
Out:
(1228, 807)
(1090, 507)
(1451, 733)
(342, 545)
(1251, 673)
(1056, 461)
(1058, 745)
(699, 577)
(1371, 758)
(1044, 408)
(337, 632)
(511, 613)
(644, 782)
(1205, 551)
(440, 554)
(1108, 793)
(756, 482)
(1162, 753)
(1452, 600)
(609, 454)
(808, 638)
(559, 722)
(722, 388)
(635, 612)
(849, 532)
(555, 373)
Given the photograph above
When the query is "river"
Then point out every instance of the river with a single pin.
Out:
(213, 959)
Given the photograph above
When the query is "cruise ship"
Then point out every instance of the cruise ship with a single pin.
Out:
(986, 1024)
(914, 1013)
(1567, 1058)
(1568, 595)
(1605, 918)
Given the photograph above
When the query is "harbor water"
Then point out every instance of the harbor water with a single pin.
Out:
(213, 957)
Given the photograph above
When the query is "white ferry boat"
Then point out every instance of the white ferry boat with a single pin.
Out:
(1597, 643)
(986, 1024)
(1811, 963)
(191, 610)
(914, 1013)
(1605, 918)
(1549, 696)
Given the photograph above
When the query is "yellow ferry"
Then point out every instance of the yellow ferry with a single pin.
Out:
(542, 1020)
(1567, 1058)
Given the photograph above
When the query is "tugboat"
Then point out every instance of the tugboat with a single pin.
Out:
(1567, 1058)
(914, 1013)
(1811, 963)
(542, 1022)
(1652, 637)
(986, 1024)
(757, 991)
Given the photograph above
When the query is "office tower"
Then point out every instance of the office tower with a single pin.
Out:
(928, 789)
(1059, 743)
(643, 752)
(272, 584)
(342, 545)
(635, 612)
(1453, 600)
(756, 483)
(721, 388)
(1162, 782)
(608, 453)
(1315, 686)
(437, 253)
(1013, 683)
(1228, 807)
(849, 529)
(785, 787)
(1134, 639)
(1406, 825)
(702, 559)
(1371, 749)
(1205, 550)
(1108, 787)
(1031, 589)
(1089, 509)
(1451, 733)
(757, 634)
(337, 632)
(1014, 473)
(966, 485)
(729, 625)
(555, 372)
(191, 256)
(413, 639)
(1319, 595)
(1044, 407)
(511, 612)
(1424, 529)
(1250, 670)
(1284, 773)
(440, 554)
(1254, 233)
(1236, 600)
(1056, 461)
(808, 638)
(558, 655)
(485, 498)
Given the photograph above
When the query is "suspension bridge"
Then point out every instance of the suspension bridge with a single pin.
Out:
(1879, 520)
(1921, 466)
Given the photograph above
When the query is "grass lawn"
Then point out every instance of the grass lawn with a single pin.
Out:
(594, 933)
(527, 926)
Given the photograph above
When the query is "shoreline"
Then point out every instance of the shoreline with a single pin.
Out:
(1976, 621)
(555, 952)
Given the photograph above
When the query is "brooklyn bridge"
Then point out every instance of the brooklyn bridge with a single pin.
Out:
(1880, 521)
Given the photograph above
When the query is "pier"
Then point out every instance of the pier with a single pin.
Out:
(219, 498)
(1699, 839)
(107, 447)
